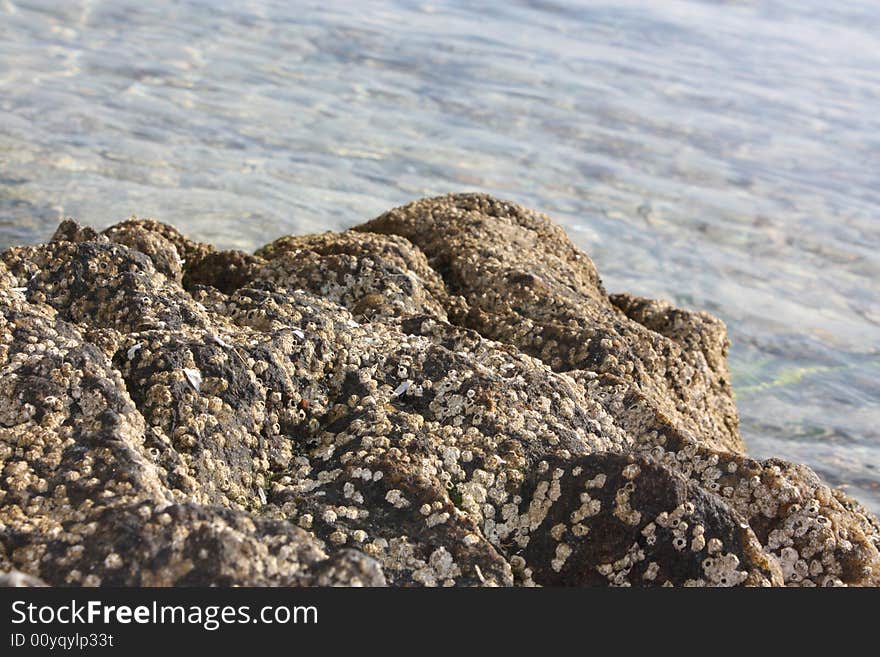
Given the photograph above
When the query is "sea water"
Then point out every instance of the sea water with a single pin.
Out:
(722, 155)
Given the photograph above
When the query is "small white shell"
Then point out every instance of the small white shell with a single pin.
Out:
(133, 350)
(194, 377)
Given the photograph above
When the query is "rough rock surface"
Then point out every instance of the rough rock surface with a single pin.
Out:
(445, 395)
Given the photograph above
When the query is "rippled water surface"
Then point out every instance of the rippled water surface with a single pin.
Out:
(723, 155)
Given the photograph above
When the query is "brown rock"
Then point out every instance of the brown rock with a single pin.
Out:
(443, 396)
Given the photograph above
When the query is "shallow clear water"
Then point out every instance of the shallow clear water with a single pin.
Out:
(724, 155)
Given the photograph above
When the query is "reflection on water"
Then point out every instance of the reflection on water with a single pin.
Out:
(722, 154)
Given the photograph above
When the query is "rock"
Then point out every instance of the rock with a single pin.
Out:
(527, 285)
(445, 395)
(151, 242)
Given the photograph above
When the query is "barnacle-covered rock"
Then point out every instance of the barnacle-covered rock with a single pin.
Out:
(445, 395)
(160, 249)
(527, 285)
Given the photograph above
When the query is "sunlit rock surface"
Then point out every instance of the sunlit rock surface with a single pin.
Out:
(445, 395)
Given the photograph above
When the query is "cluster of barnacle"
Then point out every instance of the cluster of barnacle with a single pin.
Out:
(346, 414)
(788, 506)
(773, 497)
(526, 285)
(370, 289)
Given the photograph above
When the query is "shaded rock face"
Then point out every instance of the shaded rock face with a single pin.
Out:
(445, 395)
